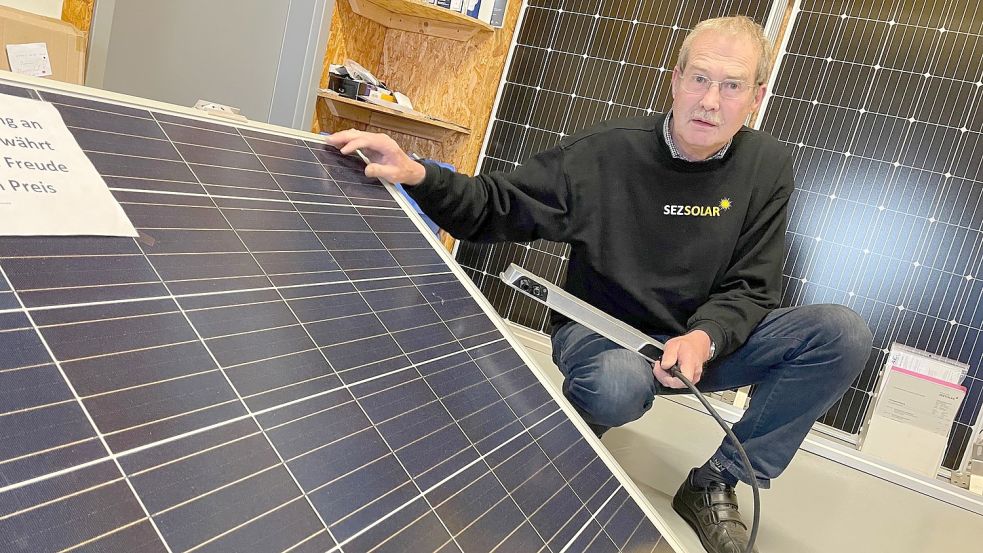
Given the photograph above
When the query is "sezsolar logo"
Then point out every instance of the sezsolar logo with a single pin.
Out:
(698, 210)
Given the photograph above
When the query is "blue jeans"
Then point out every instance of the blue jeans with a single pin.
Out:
(802, 360)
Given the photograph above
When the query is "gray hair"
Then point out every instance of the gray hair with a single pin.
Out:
(735, 26)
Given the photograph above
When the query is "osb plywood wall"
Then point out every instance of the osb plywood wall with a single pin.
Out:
(355, 37)
(451, 80)
(78, 13)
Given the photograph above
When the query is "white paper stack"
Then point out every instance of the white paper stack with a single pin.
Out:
(928, 364)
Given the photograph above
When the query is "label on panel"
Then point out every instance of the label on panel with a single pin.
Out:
(47, 184)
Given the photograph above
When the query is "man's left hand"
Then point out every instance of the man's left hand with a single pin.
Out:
(691, 351)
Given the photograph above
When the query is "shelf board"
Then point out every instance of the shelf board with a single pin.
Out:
(420, 17)
(389, 118)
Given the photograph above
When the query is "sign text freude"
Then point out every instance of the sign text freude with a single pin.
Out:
(48, 186)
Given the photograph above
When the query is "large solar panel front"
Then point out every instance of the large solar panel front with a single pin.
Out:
(880, 103)
(282, 361)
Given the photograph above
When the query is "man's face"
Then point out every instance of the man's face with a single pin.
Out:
(703, 123)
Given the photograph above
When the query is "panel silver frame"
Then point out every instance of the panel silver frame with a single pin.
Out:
(567, 304)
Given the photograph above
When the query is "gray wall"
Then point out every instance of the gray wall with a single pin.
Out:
(262, 56)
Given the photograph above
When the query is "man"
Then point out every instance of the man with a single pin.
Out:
(676, 225)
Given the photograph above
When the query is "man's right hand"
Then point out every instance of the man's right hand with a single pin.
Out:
(386, 159)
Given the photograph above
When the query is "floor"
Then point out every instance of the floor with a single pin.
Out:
(816, 506)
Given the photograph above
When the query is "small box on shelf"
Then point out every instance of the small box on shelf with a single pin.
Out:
(419, 16)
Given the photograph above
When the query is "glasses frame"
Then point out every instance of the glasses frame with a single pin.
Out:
(688, 85)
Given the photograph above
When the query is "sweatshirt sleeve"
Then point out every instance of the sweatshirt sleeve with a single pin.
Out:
(751, 287)
(529, 203)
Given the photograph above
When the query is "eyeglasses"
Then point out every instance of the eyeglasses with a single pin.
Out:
(700, 84)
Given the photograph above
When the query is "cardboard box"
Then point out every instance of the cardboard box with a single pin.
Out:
(66, 44)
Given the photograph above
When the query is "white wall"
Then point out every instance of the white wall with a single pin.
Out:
(49, 8)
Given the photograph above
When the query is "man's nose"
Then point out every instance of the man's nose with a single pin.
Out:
(711, 98)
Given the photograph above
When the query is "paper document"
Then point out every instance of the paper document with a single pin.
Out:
(926, 363)
(925, 402)
(29, 59)
(911, 420)
(47, 184)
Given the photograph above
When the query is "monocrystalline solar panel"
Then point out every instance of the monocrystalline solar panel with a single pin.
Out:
(880, 102)
(282, 361)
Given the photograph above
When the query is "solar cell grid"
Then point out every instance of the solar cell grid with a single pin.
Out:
(280, 362)
(880, 101)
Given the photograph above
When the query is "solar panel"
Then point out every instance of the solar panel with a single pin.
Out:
(575, 63)
(282, 361)
(881, 105)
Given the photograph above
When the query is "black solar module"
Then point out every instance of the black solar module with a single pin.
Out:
(282, 361)
(880, 102)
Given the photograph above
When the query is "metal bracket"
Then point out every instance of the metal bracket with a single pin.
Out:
(576, 309)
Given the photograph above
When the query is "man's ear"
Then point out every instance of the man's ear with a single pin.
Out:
(759, 95)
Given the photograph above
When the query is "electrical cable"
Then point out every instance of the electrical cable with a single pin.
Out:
(749, 469)
(576, 309)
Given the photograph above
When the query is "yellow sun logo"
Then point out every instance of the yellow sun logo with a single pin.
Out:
(725, 204)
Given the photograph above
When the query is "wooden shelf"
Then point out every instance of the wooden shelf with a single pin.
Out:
(420, 17)
(388, 118)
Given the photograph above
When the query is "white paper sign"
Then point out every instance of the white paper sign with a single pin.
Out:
(29, 59)
(47, 184)
(911, 420)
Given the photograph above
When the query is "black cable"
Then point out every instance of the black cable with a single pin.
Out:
(652, 352)
(749, 469)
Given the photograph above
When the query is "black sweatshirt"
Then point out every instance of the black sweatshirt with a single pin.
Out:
(664, 244)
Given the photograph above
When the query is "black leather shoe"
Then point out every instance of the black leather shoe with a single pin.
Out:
(712, 513)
